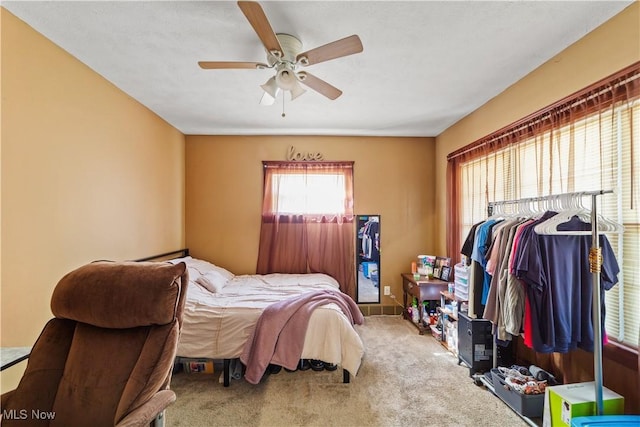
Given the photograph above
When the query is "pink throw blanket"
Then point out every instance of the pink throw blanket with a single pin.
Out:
(279, 334)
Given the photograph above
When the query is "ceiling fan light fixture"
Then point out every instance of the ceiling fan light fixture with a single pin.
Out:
(296, 91)
(286, 78)
(271, 87)
(267, 99)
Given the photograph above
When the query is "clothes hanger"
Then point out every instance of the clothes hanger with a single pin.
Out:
(569, 206)
(497, 211)
(605, 224)
(565, 212)
(608, 225)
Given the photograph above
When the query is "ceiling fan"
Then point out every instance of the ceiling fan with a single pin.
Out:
(285, 55)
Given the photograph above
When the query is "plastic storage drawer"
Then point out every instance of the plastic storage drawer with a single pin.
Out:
(461, 281)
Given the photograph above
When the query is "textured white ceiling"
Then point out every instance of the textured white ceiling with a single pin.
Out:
(425, 64)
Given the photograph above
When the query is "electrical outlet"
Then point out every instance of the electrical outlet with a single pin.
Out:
(387, 290)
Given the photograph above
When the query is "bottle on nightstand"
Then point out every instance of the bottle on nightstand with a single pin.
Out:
(415, 313)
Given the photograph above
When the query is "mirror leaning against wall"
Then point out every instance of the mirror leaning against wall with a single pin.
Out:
(368, 258)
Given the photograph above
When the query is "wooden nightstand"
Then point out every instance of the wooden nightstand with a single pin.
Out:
(423, 289)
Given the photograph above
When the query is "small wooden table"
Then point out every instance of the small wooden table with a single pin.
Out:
(423, 289)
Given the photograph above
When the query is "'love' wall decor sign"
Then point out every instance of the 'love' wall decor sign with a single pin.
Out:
(299, 156)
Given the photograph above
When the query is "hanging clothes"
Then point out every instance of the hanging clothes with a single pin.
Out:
(475, 270)
(480, 250)
(535, 283)
(371, 239)
(499, 301)
(559, 287)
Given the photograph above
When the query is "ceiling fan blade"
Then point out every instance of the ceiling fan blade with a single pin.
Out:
(319, 85)
(221, 65)
(258, 20)
(339, 48)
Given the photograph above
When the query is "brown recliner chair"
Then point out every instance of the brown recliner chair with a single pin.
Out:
(106, 358)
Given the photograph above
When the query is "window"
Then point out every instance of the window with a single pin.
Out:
(307, 220)
(587, 143)
(310, 193)
(312, 189)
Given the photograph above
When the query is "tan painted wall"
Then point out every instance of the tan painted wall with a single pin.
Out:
(87, 173)
(609, 48)
(393, 178)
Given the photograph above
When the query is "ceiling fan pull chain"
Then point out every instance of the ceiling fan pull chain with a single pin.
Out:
(283, 97)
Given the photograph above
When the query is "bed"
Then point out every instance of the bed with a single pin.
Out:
(222, 310)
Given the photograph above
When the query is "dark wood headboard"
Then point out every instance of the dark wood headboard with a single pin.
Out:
(168, 255)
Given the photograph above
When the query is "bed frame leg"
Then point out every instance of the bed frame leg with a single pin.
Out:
(227, 373)
(345, 376)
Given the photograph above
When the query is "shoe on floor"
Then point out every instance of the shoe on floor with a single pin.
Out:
(274, 369)
(330, 366)
(317, 365)
(304, 365)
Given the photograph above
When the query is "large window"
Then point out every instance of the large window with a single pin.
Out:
(587, 143)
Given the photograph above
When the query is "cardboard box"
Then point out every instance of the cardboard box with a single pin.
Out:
(576, 400)
(201, 366)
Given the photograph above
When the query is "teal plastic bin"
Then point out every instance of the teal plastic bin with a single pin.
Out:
(606, 421)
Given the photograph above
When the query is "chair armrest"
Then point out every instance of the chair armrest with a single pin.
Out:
(143, 415)
(4, 398)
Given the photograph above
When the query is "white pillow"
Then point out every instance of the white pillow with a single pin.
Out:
(212, 281)
(186, 260)
(202, 267)
(224, 273)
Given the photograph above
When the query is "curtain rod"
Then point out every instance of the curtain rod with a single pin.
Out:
(278, 163)
(603, 85)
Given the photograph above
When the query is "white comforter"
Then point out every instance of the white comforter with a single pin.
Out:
(217, 325)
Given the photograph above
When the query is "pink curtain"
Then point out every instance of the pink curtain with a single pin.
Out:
(308, 242)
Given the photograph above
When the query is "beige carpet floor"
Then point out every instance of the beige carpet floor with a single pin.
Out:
(405, 380)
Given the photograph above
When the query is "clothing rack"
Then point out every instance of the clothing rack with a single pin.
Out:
(595, 262)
